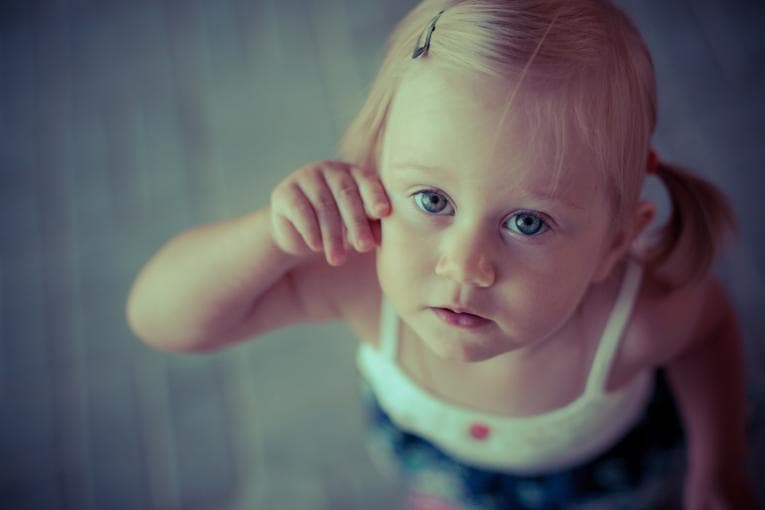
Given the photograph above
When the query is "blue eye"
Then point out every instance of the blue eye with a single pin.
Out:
(433, 202)
(526, 223)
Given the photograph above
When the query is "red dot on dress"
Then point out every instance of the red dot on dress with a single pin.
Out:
(479, 431)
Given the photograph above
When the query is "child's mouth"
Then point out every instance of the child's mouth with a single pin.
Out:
(460, 320)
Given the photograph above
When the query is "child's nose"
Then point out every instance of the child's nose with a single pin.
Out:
(466, 261)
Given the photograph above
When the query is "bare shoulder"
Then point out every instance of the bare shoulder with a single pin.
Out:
(360, 299)
(667, 321)
(350, 292)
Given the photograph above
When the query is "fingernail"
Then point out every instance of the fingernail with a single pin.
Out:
(381, 208)
(337, 258)
(364, 243)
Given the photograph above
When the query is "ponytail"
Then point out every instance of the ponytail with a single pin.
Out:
(700, 217)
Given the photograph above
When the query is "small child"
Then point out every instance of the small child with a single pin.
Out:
(486, 239)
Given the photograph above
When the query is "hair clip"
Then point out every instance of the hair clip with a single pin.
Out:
(419, 50)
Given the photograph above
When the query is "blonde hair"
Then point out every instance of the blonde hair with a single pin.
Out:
(599, 84)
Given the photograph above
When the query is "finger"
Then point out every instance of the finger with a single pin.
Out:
(376, 202)
(351, 209)
(330, 222)
(302, 216)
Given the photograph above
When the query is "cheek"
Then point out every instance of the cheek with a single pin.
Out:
(535, 306)
(405, 237)
(541, 288)
(544, 286)
(567, 261)
(403, 253)
(559, 293)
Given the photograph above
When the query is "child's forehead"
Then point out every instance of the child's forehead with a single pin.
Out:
(442, 117)
(430, 86)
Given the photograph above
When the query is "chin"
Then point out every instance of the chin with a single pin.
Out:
(464, 350)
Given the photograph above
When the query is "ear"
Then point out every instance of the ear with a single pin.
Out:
(622, 240)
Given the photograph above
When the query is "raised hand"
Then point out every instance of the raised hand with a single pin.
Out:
(329, 207)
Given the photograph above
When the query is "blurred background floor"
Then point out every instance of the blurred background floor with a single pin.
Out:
(123, 123)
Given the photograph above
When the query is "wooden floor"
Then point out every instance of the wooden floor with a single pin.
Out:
(122, 123)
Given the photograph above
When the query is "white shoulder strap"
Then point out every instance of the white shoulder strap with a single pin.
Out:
(388, 330)
(612, 334)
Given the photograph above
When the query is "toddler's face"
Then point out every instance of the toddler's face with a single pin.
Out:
(475, 225)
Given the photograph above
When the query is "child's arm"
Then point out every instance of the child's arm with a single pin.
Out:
(708, 381)
(218, 284)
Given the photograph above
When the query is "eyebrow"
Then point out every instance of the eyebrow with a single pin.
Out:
(534, 194)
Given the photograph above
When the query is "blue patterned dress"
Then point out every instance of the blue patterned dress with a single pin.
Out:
(643, 471)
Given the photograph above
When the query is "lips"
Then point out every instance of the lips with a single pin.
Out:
(460, 318)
